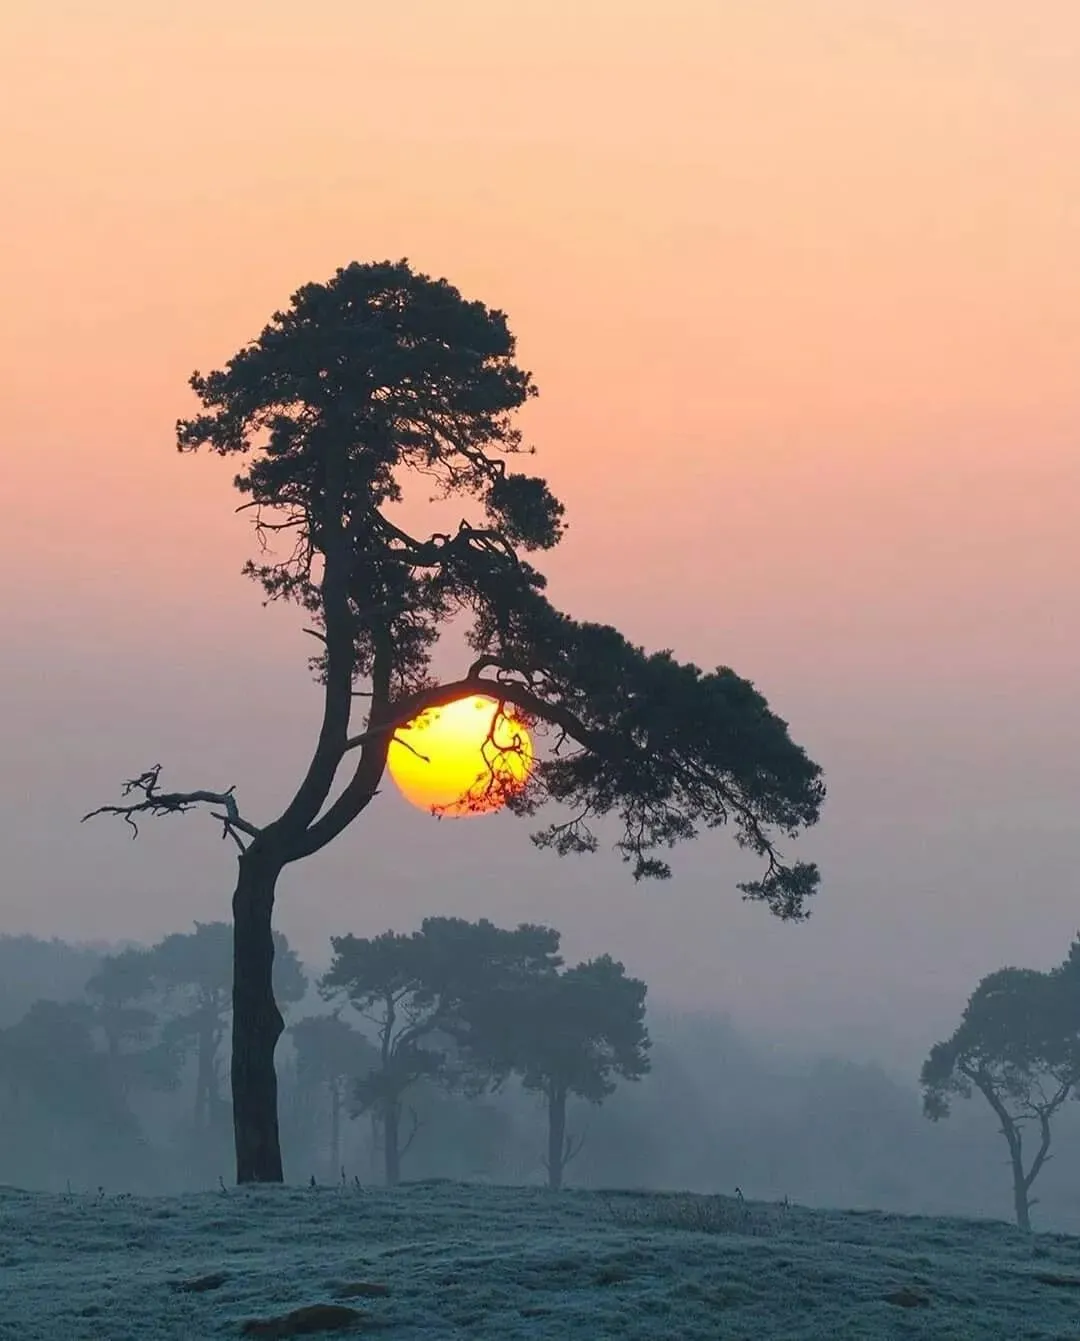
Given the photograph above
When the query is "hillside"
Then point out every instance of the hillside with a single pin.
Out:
(452, 1261)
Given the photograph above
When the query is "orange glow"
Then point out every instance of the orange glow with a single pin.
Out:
(463, 759)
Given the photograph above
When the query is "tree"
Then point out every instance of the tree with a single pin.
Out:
(1018, 1045)
(121, 991)
(194, 972)
(61, 1091)
(32, 969)
(565, 1033)
(414, 990)
(330, 1053)
(378, 376)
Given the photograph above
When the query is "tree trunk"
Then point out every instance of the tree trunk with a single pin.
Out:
(391, 1147)
(556, 1138)
(335, 1130)
(1020, 1193)
(257, 1022)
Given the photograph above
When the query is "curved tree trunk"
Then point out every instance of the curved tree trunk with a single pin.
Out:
(257, 1022)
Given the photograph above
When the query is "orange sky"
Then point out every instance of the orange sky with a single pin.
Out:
(798, 282)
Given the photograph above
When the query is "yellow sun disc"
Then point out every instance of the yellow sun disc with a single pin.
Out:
(462, 759)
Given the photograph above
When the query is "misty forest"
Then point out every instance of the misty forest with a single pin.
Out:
(468, 1052)
(465, 1054)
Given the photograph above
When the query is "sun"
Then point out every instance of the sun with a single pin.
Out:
(462, 759)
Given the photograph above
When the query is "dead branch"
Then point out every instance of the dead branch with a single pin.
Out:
(154, 802)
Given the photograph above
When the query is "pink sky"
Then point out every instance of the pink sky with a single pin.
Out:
(798, 282)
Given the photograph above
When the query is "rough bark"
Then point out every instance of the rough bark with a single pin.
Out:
(257, 1021)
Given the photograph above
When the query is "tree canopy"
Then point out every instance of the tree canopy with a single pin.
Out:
(384, 373)
(568, 1033)
(415, 990)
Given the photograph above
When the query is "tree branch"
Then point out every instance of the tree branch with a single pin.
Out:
(1043, 1152)
(404, 710)
(154, 802)
(416, 1125)
(340, 658)
(573, 1149)
(374, 747)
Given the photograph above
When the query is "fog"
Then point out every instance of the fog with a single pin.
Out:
(719, 1110)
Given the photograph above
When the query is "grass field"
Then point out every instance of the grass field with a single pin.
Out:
(446, 1260)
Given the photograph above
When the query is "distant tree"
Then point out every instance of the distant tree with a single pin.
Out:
(330, 1054)
(413, 990)
(565, 1033)
(193, 970)
(384, 374)
(55, 1076)
(1018, 1045)
(33, 970)
(123, 996)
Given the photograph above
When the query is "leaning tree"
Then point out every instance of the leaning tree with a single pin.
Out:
(377, 377)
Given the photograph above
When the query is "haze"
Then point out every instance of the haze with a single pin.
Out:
(797, 281)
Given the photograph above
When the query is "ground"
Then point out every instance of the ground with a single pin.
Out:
(443, 1260)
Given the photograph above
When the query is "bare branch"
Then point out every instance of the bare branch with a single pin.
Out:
(154, 802)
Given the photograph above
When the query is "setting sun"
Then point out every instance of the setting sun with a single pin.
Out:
(462, 759)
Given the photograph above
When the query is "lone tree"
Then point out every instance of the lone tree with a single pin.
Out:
(1018, 1045)
(377, 376)
(565, 1033)
(416, 990)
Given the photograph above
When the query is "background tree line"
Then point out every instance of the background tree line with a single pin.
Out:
(113, 1070)
(456, 1008)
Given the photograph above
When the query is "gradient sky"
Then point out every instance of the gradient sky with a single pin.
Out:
(798, 283)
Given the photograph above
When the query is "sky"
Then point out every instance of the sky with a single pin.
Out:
(797, 282)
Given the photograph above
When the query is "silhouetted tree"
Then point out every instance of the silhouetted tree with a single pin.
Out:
(329, 1054)
(1018, 1045)
(361, 382)
(194, 971)
(565, 1033)
(413, 989)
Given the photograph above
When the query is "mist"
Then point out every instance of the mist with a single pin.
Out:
(720, 1111)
